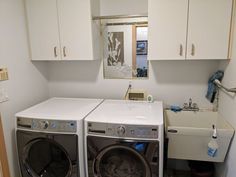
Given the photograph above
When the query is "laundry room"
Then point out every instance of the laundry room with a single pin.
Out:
(114, 88)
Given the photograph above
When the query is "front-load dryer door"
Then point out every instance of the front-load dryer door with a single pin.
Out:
(120, 161)
(47, 156)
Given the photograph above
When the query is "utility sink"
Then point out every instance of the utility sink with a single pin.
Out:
(189, 133)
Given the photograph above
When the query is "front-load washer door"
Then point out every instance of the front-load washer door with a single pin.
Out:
(49, 155)
(45, 158)
(110, 157)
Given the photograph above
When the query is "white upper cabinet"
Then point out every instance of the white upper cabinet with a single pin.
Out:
(43, 29)
(167, 28)
(61, 30)
(209, 29)
(75, 29)
(189, 29)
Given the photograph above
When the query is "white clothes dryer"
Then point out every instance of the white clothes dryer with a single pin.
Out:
(124, 138)
(50, 137)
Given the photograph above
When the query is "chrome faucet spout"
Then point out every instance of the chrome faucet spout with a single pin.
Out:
(190, 103)
(190, 106)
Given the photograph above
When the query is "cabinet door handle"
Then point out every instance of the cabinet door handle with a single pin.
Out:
(55, 52)
(181, 50)
(193, 50)
(64, 51)
(173, 131)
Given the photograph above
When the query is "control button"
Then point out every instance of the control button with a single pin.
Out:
(132, 132)
(145, 133)
(34, 124)
(155, 135)
(121, 130)
(109, 129)
(63, 126)
(53, 125)
(70, 125)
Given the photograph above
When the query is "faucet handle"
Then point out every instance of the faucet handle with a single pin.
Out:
(190, 102)
(185, 105)
(195, 105)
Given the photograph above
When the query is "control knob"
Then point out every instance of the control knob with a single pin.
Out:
(121, 130)
(44, 124)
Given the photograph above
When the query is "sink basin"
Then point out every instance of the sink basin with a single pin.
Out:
(189, 133)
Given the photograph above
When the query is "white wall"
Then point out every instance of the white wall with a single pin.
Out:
(227, 108)
(27, 82)
(123, 7)
(171, 81)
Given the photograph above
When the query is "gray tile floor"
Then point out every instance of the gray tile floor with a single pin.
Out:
(177, 173)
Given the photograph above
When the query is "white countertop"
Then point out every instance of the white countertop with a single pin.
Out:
(128, 112)
(61, 109)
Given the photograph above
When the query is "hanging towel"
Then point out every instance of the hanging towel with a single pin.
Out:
(212, 88)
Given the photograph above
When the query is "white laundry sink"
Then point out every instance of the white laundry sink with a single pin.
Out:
(189, 133)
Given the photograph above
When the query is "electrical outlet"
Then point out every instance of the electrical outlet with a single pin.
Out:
(3, 95)
(3, 74)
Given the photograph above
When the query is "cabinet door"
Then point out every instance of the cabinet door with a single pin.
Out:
(167, 29)
(75, 29)
(43, 29)
(209, 29)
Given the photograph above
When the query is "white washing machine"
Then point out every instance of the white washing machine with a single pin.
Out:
(50, 137)
(124, 139)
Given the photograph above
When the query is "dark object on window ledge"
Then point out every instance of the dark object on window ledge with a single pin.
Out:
(142, 72)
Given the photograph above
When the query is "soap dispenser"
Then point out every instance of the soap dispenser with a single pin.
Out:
(212, 145)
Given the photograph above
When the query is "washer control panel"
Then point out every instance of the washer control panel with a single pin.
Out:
(127, 131)
(47, 125)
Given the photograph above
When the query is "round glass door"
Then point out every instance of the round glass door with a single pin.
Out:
(46, 158)
(120, 161)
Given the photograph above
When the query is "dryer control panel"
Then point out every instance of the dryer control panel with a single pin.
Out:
(47, 125)
(127, 131)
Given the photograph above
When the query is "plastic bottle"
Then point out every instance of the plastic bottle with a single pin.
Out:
(212, 145)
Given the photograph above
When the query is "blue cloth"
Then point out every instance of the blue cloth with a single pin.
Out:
(175, 108)
(212, 88)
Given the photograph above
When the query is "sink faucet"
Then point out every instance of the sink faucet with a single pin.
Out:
(190, 106)
(190, 102)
